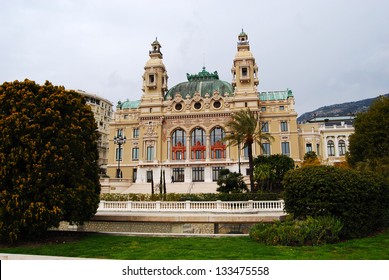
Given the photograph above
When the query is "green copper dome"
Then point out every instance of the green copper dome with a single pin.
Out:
(128, 104)
(203, 83)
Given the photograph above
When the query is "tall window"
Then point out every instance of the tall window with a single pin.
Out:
(135, 153)
(178, 144)
(198, 147)
(308, 147)
(119, 132)
(151, 79)
(149, 175)
(285, 148)
(284, 126)
(135, 133)
(246, 152)
(198, 174)
(178, 174)
(119, 154)
(342, 147)
(330, 148)
(266, 149)
(150, 153)
(218, 148)
(244, 72)
(265, 126)
(216, 173)
(178, 137)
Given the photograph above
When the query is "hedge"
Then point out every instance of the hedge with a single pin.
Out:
(192, 197)
(359, 200)
(312, 231)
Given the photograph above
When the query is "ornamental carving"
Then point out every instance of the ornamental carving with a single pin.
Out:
(196, 96)
(150, 130)
(177, 97)
(150, 143)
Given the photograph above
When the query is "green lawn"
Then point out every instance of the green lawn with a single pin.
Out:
(201, 248)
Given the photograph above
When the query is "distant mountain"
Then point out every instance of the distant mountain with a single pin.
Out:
(343, 109)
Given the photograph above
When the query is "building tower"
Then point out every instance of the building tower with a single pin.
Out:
(245, 75)
(154, 81)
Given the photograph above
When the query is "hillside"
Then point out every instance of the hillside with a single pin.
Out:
(342, 109)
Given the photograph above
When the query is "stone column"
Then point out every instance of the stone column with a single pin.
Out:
(208, 148)
(169, 152)
(187, 148)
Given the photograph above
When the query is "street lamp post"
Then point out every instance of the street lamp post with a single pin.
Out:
(119, 140)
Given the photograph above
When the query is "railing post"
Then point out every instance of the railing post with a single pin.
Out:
(187, 205)
(158, 205)
(101, 205)
(251, 205)
(218, 205)
(129, 205)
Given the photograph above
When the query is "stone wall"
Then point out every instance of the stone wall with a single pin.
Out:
(148, 227)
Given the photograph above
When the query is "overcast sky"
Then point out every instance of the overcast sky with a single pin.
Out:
(326, 51)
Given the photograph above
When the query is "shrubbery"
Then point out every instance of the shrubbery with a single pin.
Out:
(231, 182)
(270, 170)
(192, 197)
(360, 201)
(312, 231)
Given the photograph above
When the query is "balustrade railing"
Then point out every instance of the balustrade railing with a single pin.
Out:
(192, 206)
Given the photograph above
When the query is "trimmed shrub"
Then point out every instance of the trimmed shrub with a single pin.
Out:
(231, 182)
(192, 197)
(360, 201)
(312, 231)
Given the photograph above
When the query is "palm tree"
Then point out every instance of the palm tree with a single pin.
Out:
(244, 128)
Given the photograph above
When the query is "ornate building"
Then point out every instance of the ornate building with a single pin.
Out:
(328, 137)
(180, 130)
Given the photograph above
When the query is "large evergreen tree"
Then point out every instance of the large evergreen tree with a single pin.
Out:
(369, 145)
(244, 128)
(48, 159)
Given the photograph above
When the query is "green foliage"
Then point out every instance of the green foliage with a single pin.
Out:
(192, 197)
(369, 144)
(311, 155)
(312, 231)
(48, 159)
(231, 182)
(278, 165)
(359, 200)
(244, 129)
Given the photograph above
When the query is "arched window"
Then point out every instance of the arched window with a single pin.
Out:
(198, 147)
(342, 147)
(330, 148)
(178, 144)
(218, 148)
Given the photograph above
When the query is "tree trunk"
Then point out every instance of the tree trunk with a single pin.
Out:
(251, 166)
